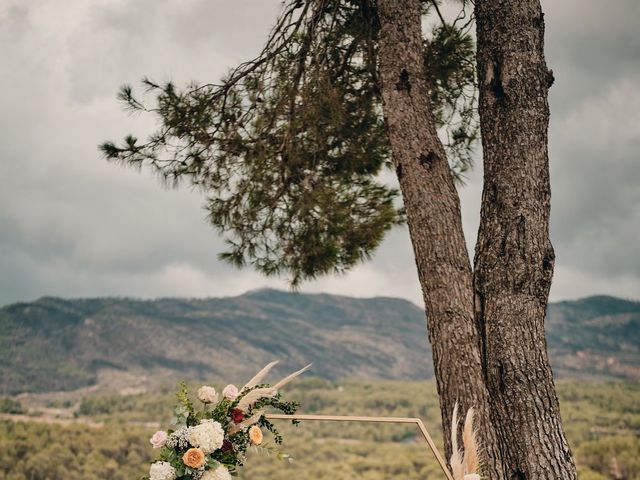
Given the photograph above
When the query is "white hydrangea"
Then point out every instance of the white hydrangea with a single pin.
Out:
(208, 436)
(162, 471)
(220, 473)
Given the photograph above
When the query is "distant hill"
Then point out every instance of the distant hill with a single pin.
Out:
(118, 343)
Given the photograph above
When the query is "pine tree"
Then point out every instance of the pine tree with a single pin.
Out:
(289, 148)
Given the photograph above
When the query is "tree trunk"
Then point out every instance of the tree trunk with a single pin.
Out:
(514, 256)
(433, 213)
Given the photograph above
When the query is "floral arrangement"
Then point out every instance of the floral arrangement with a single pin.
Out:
(211, 443)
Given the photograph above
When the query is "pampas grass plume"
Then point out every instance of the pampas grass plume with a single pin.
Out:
(288, 378)
(259, 376)
(470, 441)
(464, 466)
(457, 466)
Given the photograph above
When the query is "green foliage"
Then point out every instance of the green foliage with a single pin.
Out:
(10, 405)
(617, 456)
(290, 146)
(126, 407)
(184, 410)
(449, 61)
(602, 421)
(39, 451)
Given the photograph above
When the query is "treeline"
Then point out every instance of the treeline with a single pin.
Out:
(11, 405)
(40, 451)
(602, 421)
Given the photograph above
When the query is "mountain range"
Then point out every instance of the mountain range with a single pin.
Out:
(127, 344)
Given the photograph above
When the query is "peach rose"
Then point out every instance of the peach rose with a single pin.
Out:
(255, 435)
(194, 458)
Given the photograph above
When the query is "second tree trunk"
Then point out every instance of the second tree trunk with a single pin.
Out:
(514, 257)
(435, 224)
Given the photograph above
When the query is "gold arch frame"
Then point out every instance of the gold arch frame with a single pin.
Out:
(339, 418)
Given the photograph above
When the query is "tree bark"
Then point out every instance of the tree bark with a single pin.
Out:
(433, 214)
(514, 256)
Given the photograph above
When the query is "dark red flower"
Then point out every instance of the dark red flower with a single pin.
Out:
(237, 415)
(226, 446)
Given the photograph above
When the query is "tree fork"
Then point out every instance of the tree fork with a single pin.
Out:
(514, 256)
(435, 225)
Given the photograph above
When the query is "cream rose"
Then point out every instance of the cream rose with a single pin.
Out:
(207, 394)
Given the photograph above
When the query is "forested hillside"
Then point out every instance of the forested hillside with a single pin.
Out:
(57, 344)
(98, 437)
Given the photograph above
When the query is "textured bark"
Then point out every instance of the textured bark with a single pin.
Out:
(433, 212)
(514, 256)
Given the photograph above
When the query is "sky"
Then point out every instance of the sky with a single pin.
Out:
(73, 225)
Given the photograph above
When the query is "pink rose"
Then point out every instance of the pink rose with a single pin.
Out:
(159, 439)
(230, 392)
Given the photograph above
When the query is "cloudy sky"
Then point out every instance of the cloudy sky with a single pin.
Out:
(72, 225)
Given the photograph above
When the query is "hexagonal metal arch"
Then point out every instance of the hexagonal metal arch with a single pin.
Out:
(339, 418)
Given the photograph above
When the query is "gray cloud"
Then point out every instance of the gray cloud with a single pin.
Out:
(596, 214)
(594, 50)
(73, 225)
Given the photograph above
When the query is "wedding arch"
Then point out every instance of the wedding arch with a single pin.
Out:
(397, 420)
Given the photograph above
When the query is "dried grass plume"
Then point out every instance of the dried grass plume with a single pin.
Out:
(249, 399)
(259, 376)
(457, 466)
(464, 465)
(470, 441)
